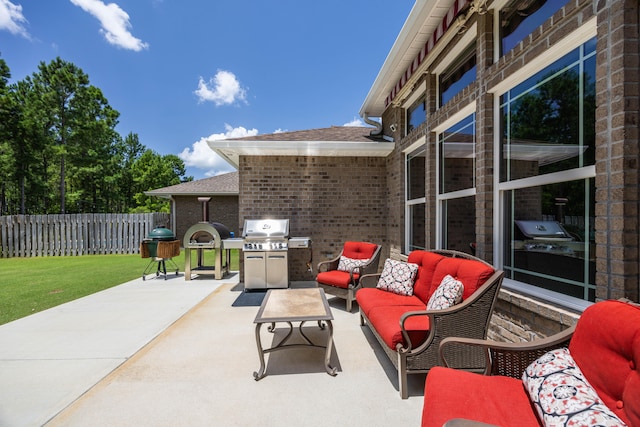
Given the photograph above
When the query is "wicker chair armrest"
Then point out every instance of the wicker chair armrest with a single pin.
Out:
(369, 280)
(509, 359)
(328, 265)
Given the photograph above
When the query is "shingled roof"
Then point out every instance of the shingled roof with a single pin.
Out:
(334, 134)
(336, 141)
(219, 185)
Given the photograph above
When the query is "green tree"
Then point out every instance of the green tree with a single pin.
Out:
(152, 171)
(80, 126)
(5, 134)
(127, 152)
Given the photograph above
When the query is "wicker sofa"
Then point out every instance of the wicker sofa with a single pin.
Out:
(409, 333)
(605, 347)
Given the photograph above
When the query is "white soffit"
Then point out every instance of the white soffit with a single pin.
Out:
(232, 150)
(422, 22)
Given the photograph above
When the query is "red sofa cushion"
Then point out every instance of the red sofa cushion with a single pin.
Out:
(386, 321)
(337, 278)
(606, 347)
(498, 400)
(427, 262)
(471, 273)
(359, 250)
(369, 298)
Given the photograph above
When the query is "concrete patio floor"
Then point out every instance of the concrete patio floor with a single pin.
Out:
(175, 352)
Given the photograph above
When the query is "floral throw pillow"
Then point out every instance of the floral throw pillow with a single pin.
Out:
(448, 294)
(398, 277)
(562, 395)
(348, 264)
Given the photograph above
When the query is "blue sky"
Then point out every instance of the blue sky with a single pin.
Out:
(181, 71)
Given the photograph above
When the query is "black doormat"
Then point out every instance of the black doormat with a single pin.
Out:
(249, 299)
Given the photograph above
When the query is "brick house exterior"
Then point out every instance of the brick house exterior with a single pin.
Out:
(486, 168)
(186, 210)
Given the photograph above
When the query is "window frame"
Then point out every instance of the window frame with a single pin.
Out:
(416, 147)
(420, 92)
(442, 198)
(461, 46)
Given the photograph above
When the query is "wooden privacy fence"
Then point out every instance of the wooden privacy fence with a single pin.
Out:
(75, 234)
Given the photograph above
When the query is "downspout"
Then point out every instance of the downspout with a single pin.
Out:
(378, 130)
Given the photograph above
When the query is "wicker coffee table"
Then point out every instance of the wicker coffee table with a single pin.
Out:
(289, 306)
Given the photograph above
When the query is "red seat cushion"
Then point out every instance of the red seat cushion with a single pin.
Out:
(359, 250)
(497, 400)
(606, 347)
(337, 278)
(471, 273)
(386, 321)
(369, 298)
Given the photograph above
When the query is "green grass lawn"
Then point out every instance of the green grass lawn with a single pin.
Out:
(29, 285)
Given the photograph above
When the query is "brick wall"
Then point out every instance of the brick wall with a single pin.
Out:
(222, 209)
(617, 154)
(330, 199)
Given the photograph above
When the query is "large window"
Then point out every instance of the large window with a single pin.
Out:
(519, 18)
(415, 200)
(547, 156)
(456, 184)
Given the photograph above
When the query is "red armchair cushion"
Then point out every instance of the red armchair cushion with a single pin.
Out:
(606, 347)
(471, 273)
(451, 393)
(386, 321)
(359, 250)
(427, 262)
(337, 278)
(369, 298)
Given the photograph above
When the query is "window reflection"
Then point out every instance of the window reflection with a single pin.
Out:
(459, 75)
(457, 156)
(416, 115)
(459, 232)
(519, 18)
(551, 237)
(549, 120)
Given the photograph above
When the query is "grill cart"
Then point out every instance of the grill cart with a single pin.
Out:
(161, 246)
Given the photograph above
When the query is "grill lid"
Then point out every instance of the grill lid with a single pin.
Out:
(161, 233)
(266, 228)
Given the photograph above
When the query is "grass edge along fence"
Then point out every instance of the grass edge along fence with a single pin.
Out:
(75, 234)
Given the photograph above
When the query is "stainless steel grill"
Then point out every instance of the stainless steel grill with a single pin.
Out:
(265, 250)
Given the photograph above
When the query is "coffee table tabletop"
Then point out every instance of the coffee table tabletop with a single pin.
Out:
(294, 305)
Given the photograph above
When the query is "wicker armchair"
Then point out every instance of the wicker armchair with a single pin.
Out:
(470, 318)
(343, 283)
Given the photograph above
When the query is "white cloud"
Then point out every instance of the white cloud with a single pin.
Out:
(115, 23)
(201, 156)
(355, 122)
(12, 19)
(223, 88)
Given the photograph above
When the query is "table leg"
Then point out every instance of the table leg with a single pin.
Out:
(327, 356)
(261, 373)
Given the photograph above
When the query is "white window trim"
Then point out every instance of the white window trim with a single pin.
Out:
(420, 143)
